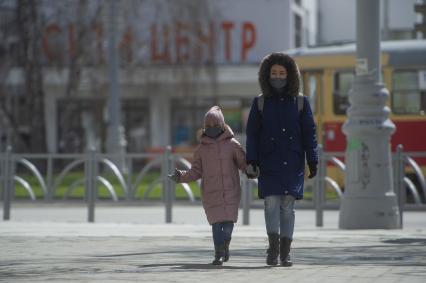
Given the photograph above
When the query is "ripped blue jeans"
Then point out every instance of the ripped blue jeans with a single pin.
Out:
(279, 215)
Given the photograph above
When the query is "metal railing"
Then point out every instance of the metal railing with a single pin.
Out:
(165, 162)
(402, 184)
(321, 180)
(90, 164)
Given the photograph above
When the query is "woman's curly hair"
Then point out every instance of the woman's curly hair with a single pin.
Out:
(293, 75)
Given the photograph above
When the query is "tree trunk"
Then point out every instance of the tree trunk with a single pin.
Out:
(30, 37)
(75, 68)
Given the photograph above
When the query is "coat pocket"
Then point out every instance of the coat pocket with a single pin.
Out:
(269, 159)
(296, 146)
(297, 157)
(267, 146)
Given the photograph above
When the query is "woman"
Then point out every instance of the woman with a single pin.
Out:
(280, 132)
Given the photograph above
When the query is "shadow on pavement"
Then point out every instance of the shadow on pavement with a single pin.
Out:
(396, 252)
(405, 241)
(200, 266)
(190, 252)
(389, 255)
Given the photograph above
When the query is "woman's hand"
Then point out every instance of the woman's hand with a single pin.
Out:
(252, 170)
(313, 168)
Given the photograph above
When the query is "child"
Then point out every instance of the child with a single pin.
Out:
(216, 161)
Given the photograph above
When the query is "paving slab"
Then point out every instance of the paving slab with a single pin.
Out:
(133, 244)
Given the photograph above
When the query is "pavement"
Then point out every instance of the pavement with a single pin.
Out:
(51, 242)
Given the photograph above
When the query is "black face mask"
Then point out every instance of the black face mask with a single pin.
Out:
(213, 132)
(278, 83)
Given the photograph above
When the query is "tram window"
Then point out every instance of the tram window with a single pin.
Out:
(409, 92)
(342, 84)
(313, 92)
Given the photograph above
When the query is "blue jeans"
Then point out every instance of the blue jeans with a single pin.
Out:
(222, 231)
(279, 215)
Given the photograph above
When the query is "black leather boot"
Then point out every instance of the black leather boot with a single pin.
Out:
(226, 257)
(219, 255)
(285, 244)
(273, 250)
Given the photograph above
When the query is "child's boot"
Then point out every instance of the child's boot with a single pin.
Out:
(273, 250)
(219, 255)
(226, 258)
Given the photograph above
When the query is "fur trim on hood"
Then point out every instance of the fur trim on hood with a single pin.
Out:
(293, 75)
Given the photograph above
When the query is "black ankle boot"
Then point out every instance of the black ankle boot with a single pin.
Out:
(285, 244)
(226, 257)
(273, 250)
(219, 255)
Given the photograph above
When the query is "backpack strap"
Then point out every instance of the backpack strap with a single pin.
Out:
(260, 103)
(300, 102)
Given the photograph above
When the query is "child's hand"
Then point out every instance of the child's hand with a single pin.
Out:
(175, 177)
(252, 170)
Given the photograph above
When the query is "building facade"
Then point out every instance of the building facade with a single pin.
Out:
(176, 58)
(398, 19)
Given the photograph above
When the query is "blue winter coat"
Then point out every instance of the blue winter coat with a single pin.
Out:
(279, 138)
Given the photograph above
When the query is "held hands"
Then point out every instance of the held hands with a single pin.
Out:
(252, 170)
(313, 168)
(175, 177)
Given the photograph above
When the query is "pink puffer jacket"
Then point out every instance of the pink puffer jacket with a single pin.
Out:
(216, 162)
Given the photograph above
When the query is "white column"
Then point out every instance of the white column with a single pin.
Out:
(116, 142)
(51, 118)
(369, 201)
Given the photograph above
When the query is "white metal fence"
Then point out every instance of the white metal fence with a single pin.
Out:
(50, 170)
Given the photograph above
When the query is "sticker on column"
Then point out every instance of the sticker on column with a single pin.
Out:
(361, 67)
(353, 153)
(365, 157)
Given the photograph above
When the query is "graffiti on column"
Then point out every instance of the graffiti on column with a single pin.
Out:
(365, 172)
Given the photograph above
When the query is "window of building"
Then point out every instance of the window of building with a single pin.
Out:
(298, 32)
(409, 92)
(187, 119)
(342, 84)
(80, 123)
(135, 115)
(188, 115)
